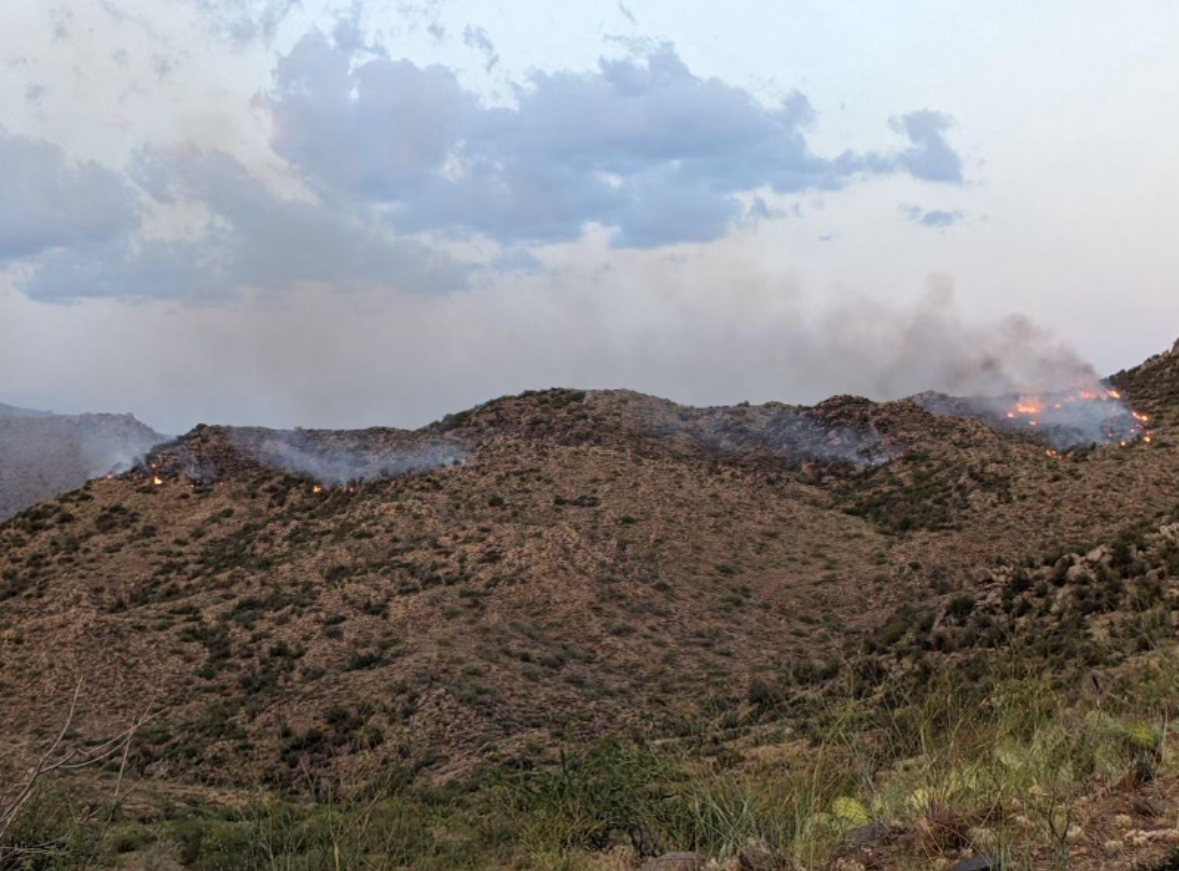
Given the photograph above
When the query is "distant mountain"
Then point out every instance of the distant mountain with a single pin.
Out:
(43, 455)
(14, 411)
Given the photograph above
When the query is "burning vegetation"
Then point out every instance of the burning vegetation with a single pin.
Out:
(1063, 419)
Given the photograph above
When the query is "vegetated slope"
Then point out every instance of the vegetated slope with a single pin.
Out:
(43, 455)
(540, 569)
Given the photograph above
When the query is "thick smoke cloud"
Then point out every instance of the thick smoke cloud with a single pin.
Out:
(319, 359)
(640, 145)
(899, 351)
(47, 203)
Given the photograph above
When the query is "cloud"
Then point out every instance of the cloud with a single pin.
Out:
(246, 21)
(46, 202)
(933, 218)
(398, 166)
(252, 238)
(931, 157)
(640, 145)
(477, 38)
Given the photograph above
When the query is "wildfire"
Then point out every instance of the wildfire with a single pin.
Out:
(1101, 413)
(316, 489)
(157, 480)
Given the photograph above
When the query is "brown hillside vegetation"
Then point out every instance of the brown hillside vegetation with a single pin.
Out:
(548, 569)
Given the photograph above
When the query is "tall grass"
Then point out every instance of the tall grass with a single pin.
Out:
(995, 768)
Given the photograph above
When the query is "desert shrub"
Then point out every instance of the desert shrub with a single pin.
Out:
(50, 834)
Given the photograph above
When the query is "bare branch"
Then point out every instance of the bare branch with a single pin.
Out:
(56, 759)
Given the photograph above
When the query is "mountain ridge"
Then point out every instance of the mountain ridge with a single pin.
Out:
(555, 564)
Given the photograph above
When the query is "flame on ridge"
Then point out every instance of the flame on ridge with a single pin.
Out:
(1101, 411)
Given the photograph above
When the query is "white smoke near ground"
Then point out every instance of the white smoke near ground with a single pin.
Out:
(343, 457)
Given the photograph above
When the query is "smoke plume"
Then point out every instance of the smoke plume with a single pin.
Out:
(336, 458)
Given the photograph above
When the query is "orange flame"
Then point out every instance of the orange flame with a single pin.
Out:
(157, 480)
(317, 489)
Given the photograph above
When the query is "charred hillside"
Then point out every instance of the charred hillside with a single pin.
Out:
(540, 569)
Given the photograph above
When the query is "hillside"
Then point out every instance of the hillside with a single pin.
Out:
(555, 564)
(550, 568)
(15, 411)
(43, 455)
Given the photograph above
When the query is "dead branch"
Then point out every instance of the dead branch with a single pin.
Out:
(59, 758)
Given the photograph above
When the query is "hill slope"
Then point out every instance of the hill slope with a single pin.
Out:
(541, 568)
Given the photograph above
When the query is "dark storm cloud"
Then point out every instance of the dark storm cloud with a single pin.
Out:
(254, 239)
(46, 202)
(639, 145)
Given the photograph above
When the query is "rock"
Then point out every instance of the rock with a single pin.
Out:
(676, 862)
(1076, 574)
(873, 833)
(1099, 555)
(1150, 807)
(1140, 837)
(978, 863)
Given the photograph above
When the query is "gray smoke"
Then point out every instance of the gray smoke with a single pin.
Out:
(791, 434)
(1062, 420)
(341, 457)
(897, 351)
(708, 331)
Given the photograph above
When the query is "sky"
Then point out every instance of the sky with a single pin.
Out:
(346, 214)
